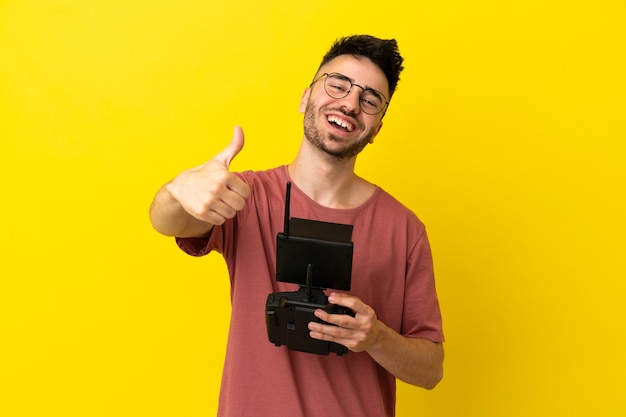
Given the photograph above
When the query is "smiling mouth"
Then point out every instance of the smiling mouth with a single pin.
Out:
(341, 123)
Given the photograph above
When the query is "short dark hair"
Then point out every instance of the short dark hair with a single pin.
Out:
(382, 52)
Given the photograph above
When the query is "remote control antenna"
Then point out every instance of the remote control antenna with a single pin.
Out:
(287, 203)
(309, 284)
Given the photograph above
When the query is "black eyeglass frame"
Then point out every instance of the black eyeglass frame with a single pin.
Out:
(326, 74)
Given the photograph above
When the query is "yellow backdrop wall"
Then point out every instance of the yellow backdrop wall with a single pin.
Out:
(506, 136)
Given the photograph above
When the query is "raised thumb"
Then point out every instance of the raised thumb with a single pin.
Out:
(234, 147)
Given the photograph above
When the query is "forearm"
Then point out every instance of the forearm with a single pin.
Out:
(169, 218)
(415, 361)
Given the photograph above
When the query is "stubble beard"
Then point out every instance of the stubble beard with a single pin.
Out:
(316, 137)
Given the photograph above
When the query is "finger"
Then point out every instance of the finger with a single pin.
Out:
(327, 332)
(341, 320)
(238, 192)
(235, 146)
(346, 300)
(219, 217)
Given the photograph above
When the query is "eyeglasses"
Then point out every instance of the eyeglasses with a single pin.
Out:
(339, 86)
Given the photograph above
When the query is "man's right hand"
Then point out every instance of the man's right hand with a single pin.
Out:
(210, 192)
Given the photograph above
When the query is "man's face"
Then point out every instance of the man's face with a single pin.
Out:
(339, 127)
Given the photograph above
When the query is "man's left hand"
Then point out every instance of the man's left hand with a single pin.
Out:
(357, 333)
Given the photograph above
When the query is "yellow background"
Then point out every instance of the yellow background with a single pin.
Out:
(506, 136)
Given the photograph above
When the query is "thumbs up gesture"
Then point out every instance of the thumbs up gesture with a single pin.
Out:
(210, 192)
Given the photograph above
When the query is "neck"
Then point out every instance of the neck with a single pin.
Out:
(327, 180)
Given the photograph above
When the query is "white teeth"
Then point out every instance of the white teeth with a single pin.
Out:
(334, 119)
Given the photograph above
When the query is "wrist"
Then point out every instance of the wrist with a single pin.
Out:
(381, 335)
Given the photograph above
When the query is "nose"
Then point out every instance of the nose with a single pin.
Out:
(352, 101)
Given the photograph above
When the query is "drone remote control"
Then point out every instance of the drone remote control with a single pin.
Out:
(316, 256)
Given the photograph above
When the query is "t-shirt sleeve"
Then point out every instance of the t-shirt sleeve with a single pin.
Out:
(422, 315)
(203, 246)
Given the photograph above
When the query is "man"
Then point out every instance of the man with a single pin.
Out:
(396, 331)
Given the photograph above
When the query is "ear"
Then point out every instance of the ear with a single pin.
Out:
(380, 126)
(304, 100)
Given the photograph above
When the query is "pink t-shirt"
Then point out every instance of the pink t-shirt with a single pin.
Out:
(392, 272)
